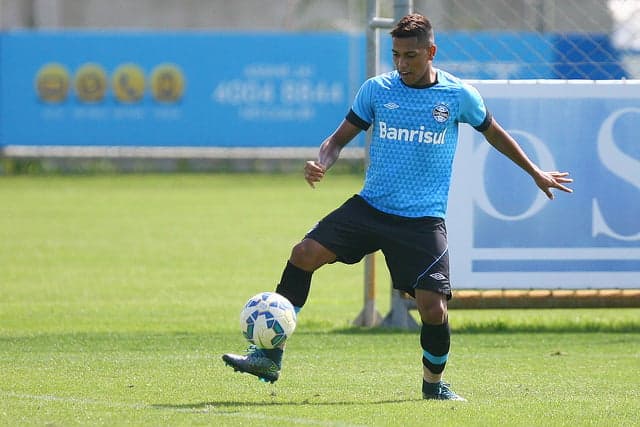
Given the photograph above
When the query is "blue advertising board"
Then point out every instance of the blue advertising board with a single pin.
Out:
(586, 56)
(176, 89)
(505, 232)
(495, 55)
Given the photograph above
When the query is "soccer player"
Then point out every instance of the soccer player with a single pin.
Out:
(415, 111)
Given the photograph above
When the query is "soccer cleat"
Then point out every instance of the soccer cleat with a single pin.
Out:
(439, 391)
(257, 362)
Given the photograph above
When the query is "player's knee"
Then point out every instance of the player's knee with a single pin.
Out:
(309, 255)
(434, 313)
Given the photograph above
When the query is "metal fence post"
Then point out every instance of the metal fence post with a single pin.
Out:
(369, 316)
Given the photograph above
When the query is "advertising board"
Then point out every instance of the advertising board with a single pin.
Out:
(175, 89)
(505, 233)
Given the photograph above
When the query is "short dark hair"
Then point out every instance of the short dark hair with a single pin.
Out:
(414, 25)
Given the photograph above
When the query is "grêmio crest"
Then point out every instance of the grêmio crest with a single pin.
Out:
(440, 113)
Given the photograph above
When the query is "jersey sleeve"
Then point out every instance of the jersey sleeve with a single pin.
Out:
(472, 108)
(362, 107)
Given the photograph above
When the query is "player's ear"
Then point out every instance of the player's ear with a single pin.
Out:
(432, 51)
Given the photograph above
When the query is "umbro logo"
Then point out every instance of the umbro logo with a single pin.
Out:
(391, 105)
(438, 276)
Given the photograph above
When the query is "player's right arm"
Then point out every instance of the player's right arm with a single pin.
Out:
(330, 148)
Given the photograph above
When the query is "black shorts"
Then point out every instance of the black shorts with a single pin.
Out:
(415, 249)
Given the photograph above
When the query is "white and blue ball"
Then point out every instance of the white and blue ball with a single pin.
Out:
(267, 320)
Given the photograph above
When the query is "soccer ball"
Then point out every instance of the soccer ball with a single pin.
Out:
(267, 320)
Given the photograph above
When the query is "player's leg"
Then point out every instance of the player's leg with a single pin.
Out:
(435, 336)
(306, 257)
(340, 236)
(435, 341)
(333, 239)
(417, 256)
(295, 283)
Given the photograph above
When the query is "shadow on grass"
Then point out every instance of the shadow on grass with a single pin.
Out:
(226, 404)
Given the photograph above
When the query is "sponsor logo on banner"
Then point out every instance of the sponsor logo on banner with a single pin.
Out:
(52, 83)
(128, 83)
(91, 83)
(167, 83)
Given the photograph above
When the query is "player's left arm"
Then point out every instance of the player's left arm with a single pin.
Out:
(507, 145)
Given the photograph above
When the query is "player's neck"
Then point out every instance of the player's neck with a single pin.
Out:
(432, 76)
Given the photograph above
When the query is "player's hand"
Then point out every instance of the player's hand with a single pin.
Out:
(548, 180)
(313, 172)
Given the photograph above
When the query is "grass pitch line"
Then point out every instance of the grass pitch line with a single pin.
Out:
(209, 409)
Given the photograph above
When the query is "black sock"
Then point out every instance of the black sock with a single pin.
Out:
(435, 341)
(295, 285)
(275, 354)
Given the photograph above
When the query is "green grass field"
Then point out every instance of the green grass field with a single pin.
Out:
(118, 294)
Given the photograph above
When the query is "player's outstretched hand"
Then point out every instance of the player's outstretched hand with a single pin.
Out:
(313, 172)
(555, 179)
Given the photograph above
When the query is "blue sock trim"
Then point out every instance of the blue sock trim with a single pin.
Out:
(436, 360)
(297, 309)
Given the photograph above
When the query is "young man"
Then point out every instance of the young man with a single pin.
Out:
(415, 111)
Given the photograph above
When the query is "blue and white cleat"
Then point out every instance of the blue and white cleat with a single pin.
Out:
(257, 362)
(439, 391)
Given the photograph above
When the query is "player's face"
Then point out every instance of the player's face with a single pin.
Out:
(413, 61)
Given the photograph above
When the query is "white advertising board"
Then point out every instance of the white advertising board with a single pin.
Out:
(505, 233)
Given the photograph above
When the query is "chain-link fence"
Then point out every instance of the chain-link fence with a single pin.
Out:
(537, 39)
(477, 39)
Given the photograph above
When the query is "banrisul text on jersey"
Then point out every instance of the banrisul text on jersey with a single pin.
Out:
(411, 135)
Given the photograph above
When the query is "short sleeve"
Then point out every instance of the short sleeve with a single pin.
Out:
(472, 108)
(363, 104)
